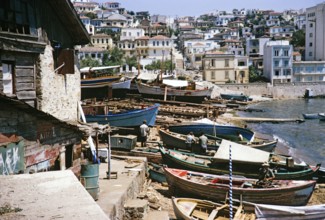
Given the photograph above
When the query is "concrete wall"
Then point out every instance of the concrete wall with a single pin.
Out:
(280, 91)
(57, 94)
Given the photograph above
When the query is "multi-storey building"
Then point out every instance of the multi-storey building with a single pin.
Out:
(102, 40)
(160, 47)
(308, 71)
(277, 61)
(219, 67)
(255, 46)
(315, 31)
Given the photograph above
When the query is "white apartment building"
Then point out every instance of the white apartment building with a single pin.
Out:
(277, 61)
(160, 47)
(308, 71)
(222, 20)
(315, 31)
(131, 33)
(255, 46)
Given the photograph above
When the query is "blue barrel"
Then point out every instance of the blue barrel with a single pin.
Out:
(89, 179)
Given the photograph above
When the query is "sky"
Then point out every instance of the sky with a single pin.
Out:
(197, 7)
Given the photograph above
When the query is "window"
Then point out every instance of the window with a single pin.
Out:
(286, 63)
(226, 62)
(309, 78)
(241, 63)
(8, 78)
(213, 62)
(157, 43)
(124, 34)
(311, 44)
(310, 34)
(310, 54)
(287, 72)
(320, 69)
(276, 72)
(14, 16)
(97, 41)
(321, 78)
(154, 43)
(286, 53)
(213, 75)
(167, 43)
(311, 25)
(138, 34)
(309, 69)
(163, 43)
(154, 51)
(276, 63)
(226, 74)
(276, 53)
(129, 34)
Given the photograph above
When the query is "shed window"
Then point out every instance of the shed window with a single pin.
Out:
(7, 70)
(14, 16)
(66, 57)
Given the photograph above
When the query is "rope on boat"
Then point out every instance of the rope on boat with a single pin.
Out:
(230, 185)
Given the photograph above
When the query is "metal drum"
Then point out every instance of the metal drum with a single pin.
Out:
(89, 179)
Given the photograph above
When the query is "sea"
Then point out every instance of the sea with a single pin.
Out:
(306, 140)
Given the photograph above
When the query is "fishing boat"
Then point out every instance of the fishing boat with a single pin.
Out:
(321, 116)
(152, 155)
(216, 188)
(177, 141)
(176, 90)
(190, 208)
(128, 118)
(263, 211)
(237, 97)
(156, 172)
(96, 82)
(221, 131)
(245, 162)
(310, 115)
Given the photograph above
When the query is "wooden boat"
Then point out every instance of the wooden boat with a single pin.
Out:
(189, 209)
(222, 131)
(321, 116)
(152, 155)
(284, 168)
(237, 97)
(131, 118)
(176, 94)
(177, 141)
(96, 82)
(156, 172)
(313, 212)
(216, 187)
(310, 116)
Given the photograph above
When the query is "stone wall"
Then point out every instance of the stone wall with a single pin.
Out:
(279, 91)
(57, 94)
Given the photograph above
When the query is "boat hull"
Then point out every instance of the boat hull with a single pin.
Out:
(234, 97)
(172, 159)
(321, 116)
(295, 195)
(221, 131)
(174, 94)
(129, 119)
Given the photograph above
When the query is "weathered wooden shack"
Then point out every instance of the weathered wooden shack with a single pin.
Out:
(35, 141)
(37, 56)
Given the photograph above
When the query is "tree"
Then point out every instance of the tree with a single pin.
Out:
(255, 76)
(91, 15)
(298, 39)
(115, 57)
(89, 62)
(131, 61)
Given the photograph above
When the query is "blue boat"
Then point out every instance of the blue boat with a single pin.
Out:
(221, 131)
(237, 97)
(131, 118)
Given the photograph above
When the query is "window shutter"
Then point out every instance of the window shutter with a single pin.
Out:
(66, 56)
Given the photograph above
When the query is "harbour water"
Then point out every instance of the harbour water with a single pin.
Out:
(304, 140)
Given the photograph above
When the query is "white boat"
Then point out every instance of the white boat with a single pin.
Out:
(321, 116)
(175, 90)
